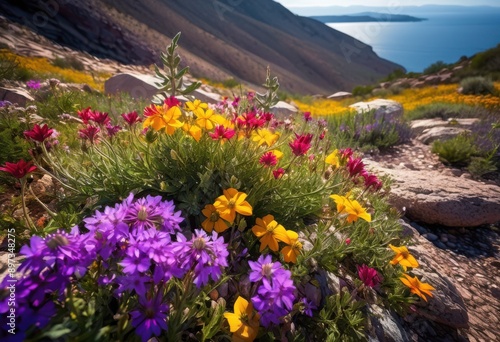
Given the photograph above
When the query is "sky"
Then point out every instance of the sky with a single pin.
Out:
(310, 3)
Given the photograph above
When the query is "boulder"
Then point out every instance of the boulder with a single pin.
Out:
(15, 95)
(433, 198)
(430, 135)
(340, 95)
(389, 109)
(418, 126)
(282, 109)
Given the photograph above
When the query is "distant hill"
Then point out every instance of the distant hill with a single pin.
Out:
(220, 39)
(366, 17)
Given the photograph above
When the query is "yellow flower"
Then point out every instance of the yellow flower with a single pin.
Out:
(333, 159)
(207, 119)
(163, 117)
(213, 220)
(416, 287)
(403, 257)
(352, 208)
(277, 153)
(269, 232)
(196, 107)
(243, 323)
(265, 136)
(192, 130)
(294, 247)
(232, 202)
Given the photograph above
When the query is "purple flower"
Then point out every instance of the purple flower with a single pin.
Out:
(5, 103)
(204, 254)
(369, 276)
(33, 84)
(263, 267)
(308, 307)
(112, 130)
(150, 318)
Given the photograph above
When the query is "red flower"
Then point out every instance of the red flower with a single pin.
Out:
(100, 118)
(90, 133)
(278, 173)
(112, 130)
(172, 101)
(19, 169)
(355, 166)
(372, 181)
(86, 115)
(369, 276)
(268, 159)
(307, 116)
(301, 144)
(222, 133)
(131, 118)
(345, 153)
(39, 133)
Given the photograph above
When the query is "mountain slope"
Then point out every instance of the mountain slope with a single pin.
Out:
(220, 39)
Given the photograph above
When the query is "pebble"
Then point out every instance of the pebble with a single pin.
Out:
(430, 236)
(451, 244)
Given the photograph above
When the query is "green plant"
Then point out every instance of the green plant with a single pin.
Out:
(10, 69)
(435, 67)
(477, 86)
(447, 111)
(362, 90)
(230, 83)
(455, 151)
(479, 166)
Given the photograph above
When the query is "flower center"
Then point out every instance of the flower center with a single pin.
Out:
(199, 243)
(149, 313)
(142, 215)
(57, 241)
(267, 270)
(214, 217)
(231, 204)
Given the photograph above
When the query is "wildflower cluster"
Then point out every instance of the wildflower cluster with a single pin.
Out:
(190, 202)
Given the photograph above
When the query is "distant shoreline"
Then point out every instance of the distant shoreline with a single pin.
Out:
(366, 18)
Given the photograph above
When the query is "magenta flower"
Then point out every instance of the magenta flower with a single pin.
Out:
(268, 159)
(301, 144)
(39, 133)
(150, 318)
(100, 118)
(33, 84)
(369, 276)
(222, 133)
(90, 133)
(307, 116)
(86, 115)
(372, 181)
(112, 129)
(345, 153)
(18, 170)
(131, 118)
(355, 166)
(278, 173)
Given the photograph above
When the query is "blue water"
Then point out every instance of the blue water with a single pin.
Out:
(443, 37)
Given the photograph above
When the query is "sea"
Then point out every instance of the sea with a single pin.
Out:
(444, 36)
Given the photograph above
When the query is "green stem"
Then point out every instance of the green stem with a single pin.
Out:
(29, 222)
(50, 212)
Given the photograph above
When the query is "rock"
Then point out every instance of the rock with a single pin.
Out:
(283, 108)
(340, 95)
(433, 198)
(15, 95)
(430, 135)
(418, 126)
(385, 326)
(389, 109)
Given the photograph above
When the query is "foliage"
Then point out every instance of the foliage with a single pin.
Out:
(457, 151)
(362, 90)
(69, 62)
(477, 86)
(435, 67)
(447, 111)
(10, 68)
(282, 210)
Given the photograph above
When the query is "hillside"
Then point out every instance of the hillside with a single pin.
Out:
(219, 40)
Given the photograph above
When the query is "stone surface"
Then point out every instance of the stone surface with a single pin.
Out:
(15, 95)
(430, 135)
(340, 95)
(418, 126)
(283, 108)
(388, 108)
(434, 198)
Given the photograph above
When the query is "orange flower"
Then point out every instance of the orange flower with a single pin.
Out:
(213, 220)
(403, 257)
(294, 247)
(269, 232)
(417, 287)
(243, 323)
(232, 202)
(164, 116)
(192, 130)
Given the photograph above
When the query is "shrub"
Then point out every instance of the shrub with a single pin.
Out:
(362, 90)
(455, 151)
(477, 86)
(448, 111)
(435, 67)
(230, 83)
(69, 62)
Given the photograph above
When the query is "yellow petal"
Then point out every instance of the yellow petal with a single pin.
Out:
(233, 320)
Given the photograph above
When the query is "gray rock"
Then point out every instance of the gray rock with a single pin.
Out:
(15, 95)
(390, 109)
(283, 108)
(418, 126)
(385, 326)
(340, 95)
(430, 135)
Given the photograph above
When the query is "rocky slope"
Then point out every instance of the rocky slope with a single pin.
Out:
(220, 39)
